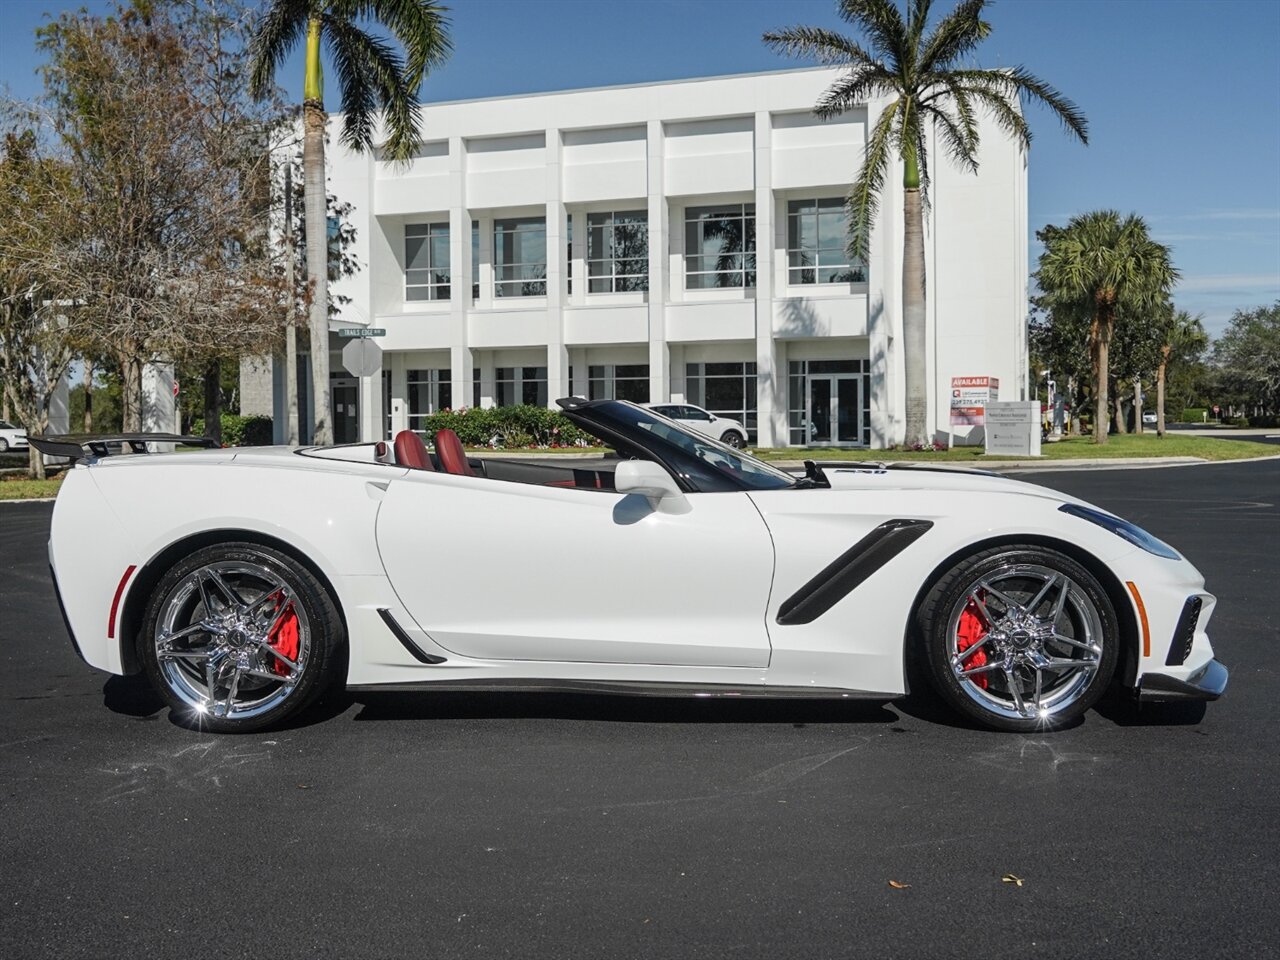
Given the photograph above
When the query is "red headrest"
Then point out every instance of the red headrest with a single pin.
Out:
(452, 457)
(411, 451)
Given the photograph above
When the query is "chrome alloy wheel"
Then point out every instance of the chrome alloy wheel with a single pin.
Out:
(1025, 641)
(232, 639)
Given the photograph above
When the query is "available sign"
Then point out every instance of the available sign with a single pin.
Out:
(969, 399)
(1013, 428)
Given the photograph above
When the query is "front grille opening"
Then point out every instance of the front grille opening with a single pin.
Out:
(1184, 634)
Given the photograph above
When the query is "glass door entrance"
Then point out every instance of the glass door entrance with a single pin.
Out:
(834, 411)
(346, 409)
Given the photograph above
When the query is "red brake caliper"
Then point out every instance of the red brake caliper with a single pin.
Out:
(971, 629)
(283, 638)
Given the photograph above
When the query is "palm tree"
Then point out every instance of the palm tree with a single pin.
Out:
(1184, 338)
(1106, 263)
(923, 74)
(373, 76)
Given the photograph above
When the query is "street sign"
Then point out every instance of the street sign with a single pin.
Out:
(362, 357)
(361, 332)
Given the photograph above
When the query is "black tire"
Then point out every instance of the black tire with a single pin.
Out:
(326, 637)
(733, 439)
(4, 445)
(1078, 688)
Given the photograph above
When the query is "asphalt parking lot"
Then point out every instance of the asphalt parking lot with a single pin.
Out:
(558, 826)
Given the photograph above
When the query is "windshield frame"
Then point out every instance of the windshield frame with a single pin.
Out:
(619, 423)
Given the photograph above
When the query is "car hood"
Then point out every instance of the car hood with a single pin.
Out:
(944, 480)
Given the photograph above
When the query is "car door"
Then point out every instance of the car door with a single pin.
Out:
(698, 419)
(496, 570)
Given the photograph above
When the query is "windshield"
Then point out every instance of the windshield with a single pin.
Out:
(707, 463)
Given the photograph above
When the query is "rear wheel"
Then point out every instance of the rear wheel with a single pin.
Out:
(732, 438)
(238, 636)
(1019, 638)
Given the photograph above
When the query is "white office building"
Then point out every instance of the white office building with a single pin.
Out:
(680, 242)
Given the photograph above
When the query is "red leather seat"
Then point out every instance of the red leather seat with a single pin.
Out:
(412, 452)
(452, 457)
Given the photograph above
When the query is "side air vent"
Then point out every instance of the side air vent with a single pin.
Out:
(406, 641)
(1184, 634)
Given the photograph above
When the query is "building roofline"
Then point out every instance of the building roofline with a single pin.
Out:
(618, 86)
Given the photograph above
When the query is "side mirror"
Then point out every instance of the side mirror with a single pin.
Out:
(649, 480)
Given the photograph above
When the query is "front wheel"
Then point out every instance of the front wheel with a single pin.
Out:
(732, 438)
(1019, 638)
(238, 636)
(4, 445)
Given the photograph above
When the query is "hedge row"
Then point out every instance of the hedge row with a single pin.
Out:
(523, 426)
(238, 431)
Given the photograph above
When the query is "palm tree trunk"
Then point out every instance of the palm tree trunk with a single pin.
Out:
(1119, 412)
(913, 310)
(290, 327)
(1160, 374)
(1137, 405)
(1102, 328)
(313, 124)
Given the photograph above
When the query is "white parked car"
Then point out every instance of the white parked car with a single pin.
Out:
(723, 429)
(11, 437)
(1149, 419)
(681, 568)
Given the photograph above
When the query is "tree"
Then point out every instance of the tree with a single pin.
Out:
(1247, 356)
(373, 75)
(1104, 263)
(925, 75)
(36, 346)
(166, 254)
(1184, 342)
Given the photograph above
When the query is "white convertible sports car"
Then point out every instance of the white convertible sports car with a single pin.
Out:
(242, 581)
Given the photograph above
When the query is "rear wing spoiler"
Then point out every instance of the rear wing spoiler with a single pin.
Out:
(82, 446)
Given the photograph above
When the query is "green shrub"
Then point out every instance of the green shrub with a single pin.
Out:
(1265, 420)
(1240, 421)
(238, 431)
(523, 426)
(1194, 414)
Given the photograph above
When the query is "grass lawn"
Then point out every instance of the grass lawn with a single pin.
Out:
(23, 489)
(1071, 448)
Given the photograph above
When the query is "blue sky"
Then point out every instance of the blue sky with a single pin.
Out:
(1183, 98)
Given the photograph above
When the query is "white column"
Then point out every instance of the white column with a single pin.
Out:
(460, 360)
(372, 421)
(579, 294)
(488, 380)
(767, 386)
(659, 270)
(399, 393)
(557, 263)
(578, 356)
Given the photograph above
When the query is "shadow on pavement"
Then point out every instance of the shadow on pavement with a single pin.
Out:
(620, 709)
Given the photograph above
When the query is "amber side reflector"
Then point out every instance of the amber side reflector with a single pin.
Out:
(1142, 617)
(115, 602)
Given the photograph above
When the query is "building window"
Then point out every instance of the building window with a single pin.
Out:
(426, 261)
(475, 387)
(799, 373)
(720, 246)
(568, 248)
(725, 389)
(622, 381)
(430, 391)
(521, 385)
(475, 260)
(617, 252)
(520, 257)
(817, 243)
(386, 401)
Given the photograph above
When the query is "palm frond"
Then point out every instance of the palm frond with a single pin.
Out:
(420, 26)
(278, 33)
(371, 74)
(958, 35)
(1003, 108)
(864, 199)
(816, 43)
(959, 133)
(853, 90)
(1018, 82)
(883, 24)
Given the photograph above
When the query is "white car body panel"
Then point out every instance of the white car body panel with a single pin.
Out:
(15, 437)
(499, 577)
